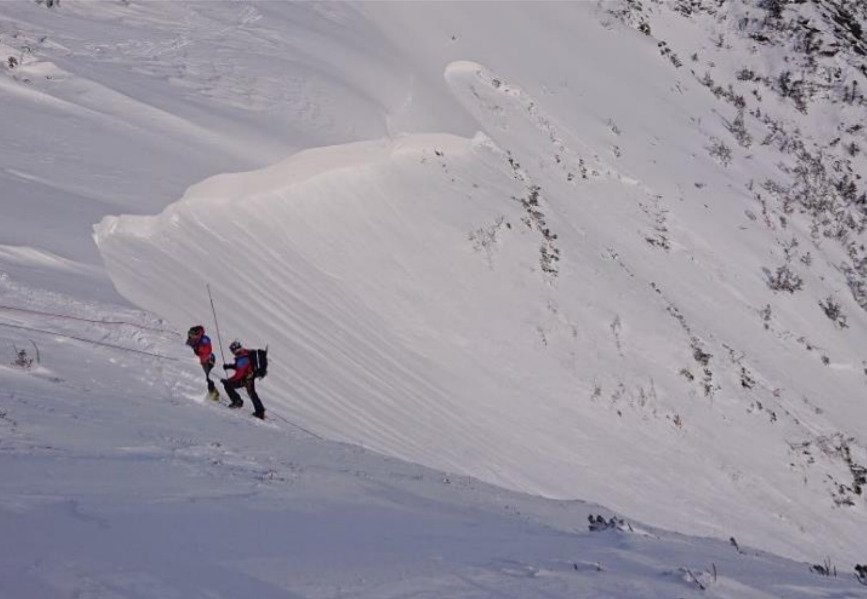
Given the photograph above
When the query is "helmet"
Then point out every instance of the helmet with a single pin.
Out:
(234, 346)
(195, 331)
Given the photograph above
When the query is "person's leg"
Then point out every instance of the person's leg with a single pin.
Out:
(207, 367)
(254, 397)
(230, 387)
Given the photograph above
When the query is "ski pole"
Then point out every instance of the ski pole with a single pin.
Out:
(217, 325)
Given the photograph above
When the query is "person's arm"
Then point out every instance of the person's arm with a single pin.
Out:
(242, 368)
(229, 367)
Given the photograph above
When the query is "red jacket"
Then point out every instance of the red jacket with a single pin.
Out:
(243, 366)
(203, 349)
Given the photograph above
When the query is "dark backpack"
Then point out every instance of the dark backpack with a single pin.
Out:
(259, 361)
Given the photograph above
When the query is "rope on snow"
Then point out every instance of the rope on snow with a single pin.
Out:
(81, 319)
(91, 341)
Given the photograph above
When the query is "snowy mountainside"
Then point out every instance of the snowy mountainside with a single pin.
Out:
(550, 263)
(556, 304)
(121, 480)
(770, 65)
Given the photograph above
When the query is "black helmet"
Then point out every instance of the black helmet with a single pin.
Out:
(195, 331)
(235, 346)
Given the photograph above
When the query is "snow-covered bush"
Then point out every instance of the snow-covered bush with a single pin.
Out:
(739, 130)
(597, 523)
(825, 569)
(22, 360)
(720, 151)
(832, 310)
(784, 280)
(861, 573)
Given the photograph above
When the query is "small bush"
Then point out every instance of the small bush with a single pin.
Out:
(784, 280)
(22, 360)
(720, 151)
(825, 569)
(597, 523)
(746, 74)
(739, 130)
(832, 310)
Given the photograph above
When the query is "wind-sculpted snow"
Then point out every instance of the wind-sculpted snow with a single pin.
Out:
(336, 259)
(435, 299)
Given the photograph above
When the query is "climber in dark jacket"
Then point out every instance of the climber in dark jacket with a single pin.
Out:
(243, 377)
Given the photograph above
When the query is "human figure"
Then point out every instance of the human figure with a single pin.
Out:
(201, 345)
(244, 377)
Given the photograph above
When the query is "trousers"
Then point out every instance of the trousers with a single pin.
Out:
(250, 385)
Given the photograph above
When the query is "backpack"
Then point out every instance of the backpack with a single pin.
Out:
(259, 361)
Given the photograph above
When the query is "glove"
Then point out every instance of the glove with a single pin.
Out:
(228, 366)
(224, 381)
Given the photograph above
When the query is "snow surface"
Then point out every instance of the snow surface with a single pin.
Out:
(121, 480)
(498, 248)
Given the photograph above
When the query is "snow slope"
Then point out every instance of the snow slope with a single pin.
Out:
(120, 480)
(531, 306)
(506, 250)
